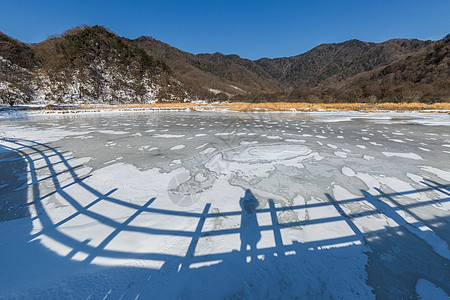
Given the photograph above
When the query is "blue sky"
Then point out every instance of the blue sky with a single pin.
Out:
(251, 29)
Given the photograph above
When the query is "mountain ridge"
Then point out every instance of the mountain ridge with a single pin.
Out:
(91, 64)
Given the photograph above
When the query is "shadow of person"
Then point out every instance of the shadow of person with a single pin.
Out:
(249, 233)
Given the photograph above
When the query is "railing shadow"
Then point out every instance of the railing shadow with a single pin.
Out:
(198, 272)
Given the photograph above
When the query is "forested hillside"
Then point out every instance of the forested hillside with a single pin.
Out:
(94, 65)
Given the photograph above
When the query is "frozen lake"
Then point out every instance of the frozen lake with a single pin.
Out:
(216, 205)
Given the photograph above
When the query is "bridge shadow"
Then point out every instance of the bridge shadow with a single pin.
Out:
(263, 250)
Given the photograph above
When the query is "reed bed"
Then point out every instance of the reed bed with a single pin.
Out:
(275, 106)
(443, 107)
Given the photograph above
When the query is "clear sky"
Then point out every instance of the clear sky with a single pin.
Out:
(249, 28)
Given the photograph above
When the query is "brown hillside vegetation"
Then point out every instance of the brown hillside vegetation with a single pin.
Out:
(420, 77)
(331, 63)
(17, 52)
(91, 64)
(16, 59)
(94, 65)
(79, 47)
(205, 72)
(424, 76)
(318, 75)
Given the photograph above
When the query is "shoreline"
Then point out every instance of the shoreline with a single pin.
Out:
(278, 107)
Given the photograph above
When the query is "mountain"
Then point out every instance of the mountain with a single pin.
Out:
(86, 65)
(20, 53)
(321, 67)
(423, 76)
(331, 63)
(91, 64)
(16, 61)
(209, 75)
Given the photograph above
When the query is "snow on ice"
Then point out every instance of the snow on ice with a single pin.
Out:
(95, 206)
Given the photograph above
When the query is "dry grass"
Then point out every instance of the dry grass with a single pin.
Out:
(282, 106)
(264, 107)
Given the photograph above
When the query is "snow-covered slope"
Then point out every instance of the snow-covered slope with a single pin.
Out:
(86, 65)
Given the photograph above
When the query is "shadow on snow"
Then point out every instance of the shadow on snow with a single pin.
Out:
(397, 257)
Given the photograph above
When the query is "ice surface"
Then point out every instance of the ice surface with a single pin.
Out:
(177, 147)
(404, 155)
(428, 291)
(214, 205)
